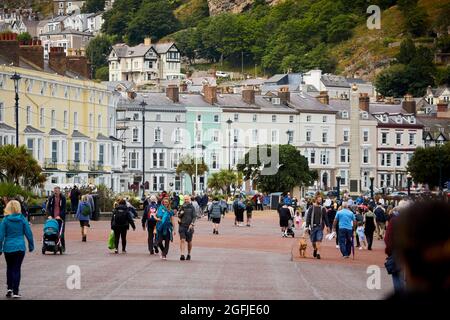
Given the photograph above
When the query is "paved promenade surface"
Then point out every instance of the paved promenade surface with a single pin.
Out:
(240, 263)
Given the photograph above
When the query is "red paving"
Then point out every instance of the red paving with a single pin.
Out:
(240, 263)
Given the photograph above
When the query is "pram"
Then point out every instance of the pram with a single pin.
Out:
(52, 237)
(290, 228)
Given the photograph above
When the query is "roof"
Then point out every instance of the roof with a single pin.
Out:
(434, 125)
(67, 31)
(54, 132)
(234, 102)
(330, 80)
(155, 100)
(112, 85)
(4, 126)
(102, 137)
(122, 50)
(163, 47)
(78, 134)
(30, 129)
(277, 79)
(386, 108)
(305, 102)
(114, 139)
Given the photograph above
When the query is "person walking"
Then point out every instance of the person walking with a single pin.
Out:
(249, 210)
(345, 219)
(380, 218)
(149, 223)
(164, 227)
(120, 223)
(74, 198)
(56, 208)
(13, 229)
(369, 227)
(216, 212)
(84, 214)
(285, 215)
(316, 220)
(197, 208)
(186, 221)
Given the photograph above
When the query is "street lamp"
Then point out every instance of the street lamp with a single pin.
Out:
(338, 180)
(438, 146)
(372, 178)
(143, 104)
(16, 77)
(289, 132)
(409, 178)
(229, 122)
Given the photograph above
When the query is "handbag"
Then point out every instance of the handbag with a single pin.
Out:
(391, 265)
(111, 241)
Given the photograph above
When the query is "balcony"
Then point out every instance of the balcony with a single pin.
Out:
(96, 166)
(73, 166)
(50, 164)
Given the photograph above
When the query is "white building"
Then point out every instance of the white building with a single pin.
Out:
(63, 7)
(68, 39)
(145, 62)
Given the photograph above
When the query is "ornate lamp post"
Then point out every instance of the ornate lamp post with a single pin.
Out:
(289, 132)
(16, 77)
(338, 180)
(409, 179)
(372, 178)
(143, 104)
(229, 122)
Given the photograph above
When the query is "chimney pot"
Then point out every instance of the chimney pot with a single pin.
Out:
(147, 41)
(173, 93)
(323, 97)
(248, 95)
(210, 94)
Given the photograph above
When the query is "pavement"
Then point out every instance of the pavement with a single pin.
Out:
(240, 263)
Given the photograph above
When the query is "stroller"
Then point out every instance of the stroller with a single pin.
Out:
(290, 229)
(52, 237)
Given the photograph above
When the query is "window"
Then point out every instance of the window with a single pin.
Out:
(177, 118)
(324, 119)
(66, 92)
(2, 112)
(365, 156)
(384, 137)
(54, 151)
(344, 115)
(30, 146)
(398, 138)
(385, 159)
(236, 135)
(312, 157)
(346, 135)
(43, 87)
(199, 117)
(65, 122)
(161, 183)
(76, 153)
(158, 135)
(324, 136)
(53, 118)
(158, 117)
(177, 135)
(255, 117)
(39, 149)
(155, 183)
(276, 101)
(30, 85)
(54, 88)
(99, 122)
(2, 80)
(216, 118)
(215, 136)
(214, 161)
(290, 136)
(274, 118)
(365, 135)
(398, 159)
(412, 139)
(275, 136)
(255, 135)
(101, 154)
(175, 159)
(135, 135)
(324, 157)
(308, 118)
(41, 117)
(344, 177)
(291, 119)
(308, 136)
(343, 155)
(155, 159)
(133, 160)
(91, 122)
(236, 117)
(75, 120)
(29, 115)
(161, 160)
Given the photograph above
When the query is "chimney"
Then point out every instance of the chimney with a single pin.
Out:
(183, 87)
(409, 104)
(284, 95)
(248, 95)
(57, 60)
(32, 52)
(442, 109)
(364, 101)
(147, 41)
(9, 48)
(323, 97)
(172, 92)
(210, 94)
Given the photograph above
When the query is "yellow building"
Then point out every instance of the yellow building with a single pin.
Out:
(67, 124)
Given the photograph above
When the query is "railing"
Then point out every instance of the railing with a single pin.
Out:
(50, 163)
(96, 166)
(73, 165)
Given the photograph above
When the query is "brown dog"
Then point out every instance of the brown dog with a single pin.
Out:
(302, 246)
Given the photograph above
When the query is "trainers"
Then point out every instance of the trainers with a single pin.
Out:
(318, 256)
(315, 253)
(83, 239)
(182, 257)
(164, 258)
(116, 251)
(16, 296)
(360, 248)
(152, 252)
(156, 250)
(217, 232)
(9, 293)
(188, 257)
(337, 246)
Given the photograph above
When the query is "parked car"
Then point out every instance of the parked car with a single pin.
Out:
(332, 193)
(222, 74)
(398, 194)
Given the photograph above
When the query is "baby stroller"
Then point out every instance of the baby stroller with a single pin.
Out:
(52, 237)
(290, 230)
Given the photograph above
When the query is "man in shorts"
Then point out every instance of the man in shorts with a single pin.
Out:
(186, 220)
(316, 220)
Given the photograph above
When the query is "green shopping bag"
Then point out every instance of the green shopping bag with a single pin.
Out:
(111, 240)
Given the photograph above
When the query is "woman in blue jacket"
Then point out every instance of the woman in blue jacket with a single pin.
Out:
(12, 231)
(84, 214)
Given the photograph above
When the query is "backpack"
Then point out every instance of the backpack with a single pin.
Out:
(85, 210)
(121, 217)
(216, 210)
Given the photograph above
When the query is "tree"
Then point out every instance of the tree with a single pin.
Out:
(102, 73)
(93, 6)
(407, 51)
(294, 170)
(393, 81)
(98, 50)
(24, 36)
(425, 163)
(19, 167)
(187, 166)
(224, 179)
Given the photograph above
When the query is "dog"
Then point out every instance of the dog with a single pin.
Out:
(302, 245)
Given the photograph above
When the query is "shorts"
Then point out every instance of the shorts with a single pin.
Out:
(316, 234)
(284, 223)
(84, 223)
(216, 220)
(249, 215)
(361, 236)
(185, 233)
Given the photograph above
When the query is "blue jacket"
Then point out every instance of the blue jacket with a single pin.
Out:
(82, 206)
(12, 230)
(287, 200)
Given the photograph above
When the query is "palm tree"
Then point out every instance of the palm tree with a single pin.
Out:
(187, 166)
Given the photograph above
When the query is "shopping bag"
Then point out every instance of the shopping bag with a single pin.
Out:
(111, 240)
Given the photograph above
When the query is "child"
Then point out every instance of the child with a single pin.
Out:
(298, 220)
(361, 235)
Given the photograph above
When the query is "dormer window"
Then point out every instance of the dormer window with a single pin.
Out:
(365, 115)
(276, 101)
(344, 115)
(384, 118)
(399, 119)
(412, 119)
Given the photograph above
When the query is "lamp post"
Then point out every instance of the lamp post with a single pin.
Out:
(143, 104)
(372, 178)
(338, 180)
(16, 77)
(439, 147)
(289, 132)
(409, 178)
(229, 122)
